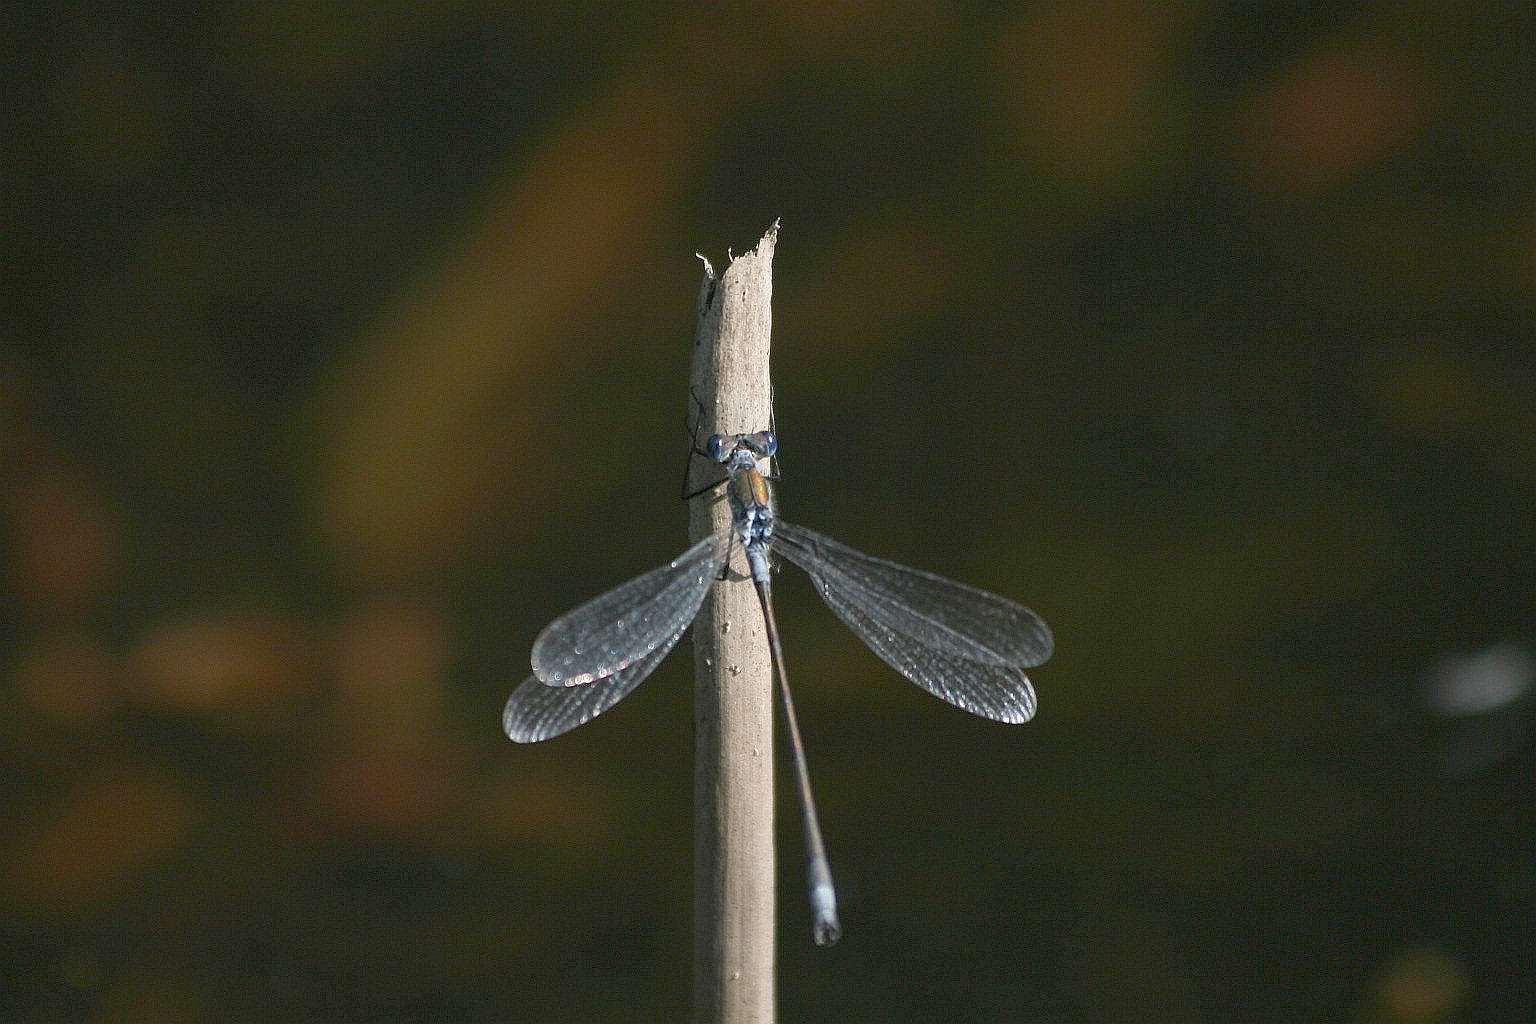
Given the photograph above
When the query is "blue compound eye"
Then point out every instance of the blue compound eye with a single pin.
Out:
(765, 443)
(715, 448)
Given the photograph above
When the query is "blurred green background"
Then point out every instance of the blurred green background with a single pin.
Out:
(346, 344)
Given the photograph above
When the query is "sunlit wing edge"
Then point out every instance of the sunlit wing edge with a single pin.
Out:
(558, 645)
(539, 711)
(824, 559)
(1002, 693)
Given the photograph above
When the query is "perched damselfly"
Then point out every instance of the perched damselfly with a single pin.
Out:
(961, 644)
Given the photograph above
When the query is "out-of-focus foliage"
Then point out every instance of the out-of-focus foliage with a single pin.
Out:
(345, 344)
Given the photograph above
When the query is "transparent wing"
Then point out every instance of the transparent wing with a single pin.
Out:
(537, 711)
(631, 622)
(934, 611)
(999, 692)
(961, 644)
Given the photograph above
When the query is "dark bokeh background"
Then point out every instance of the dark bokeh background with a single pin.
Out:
(346, 344)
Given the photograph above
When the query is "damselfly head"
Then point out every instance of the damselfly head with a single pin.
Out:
(763, 444)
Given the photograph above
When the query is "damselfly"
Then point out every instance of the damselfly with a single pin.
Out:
(961, 644)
